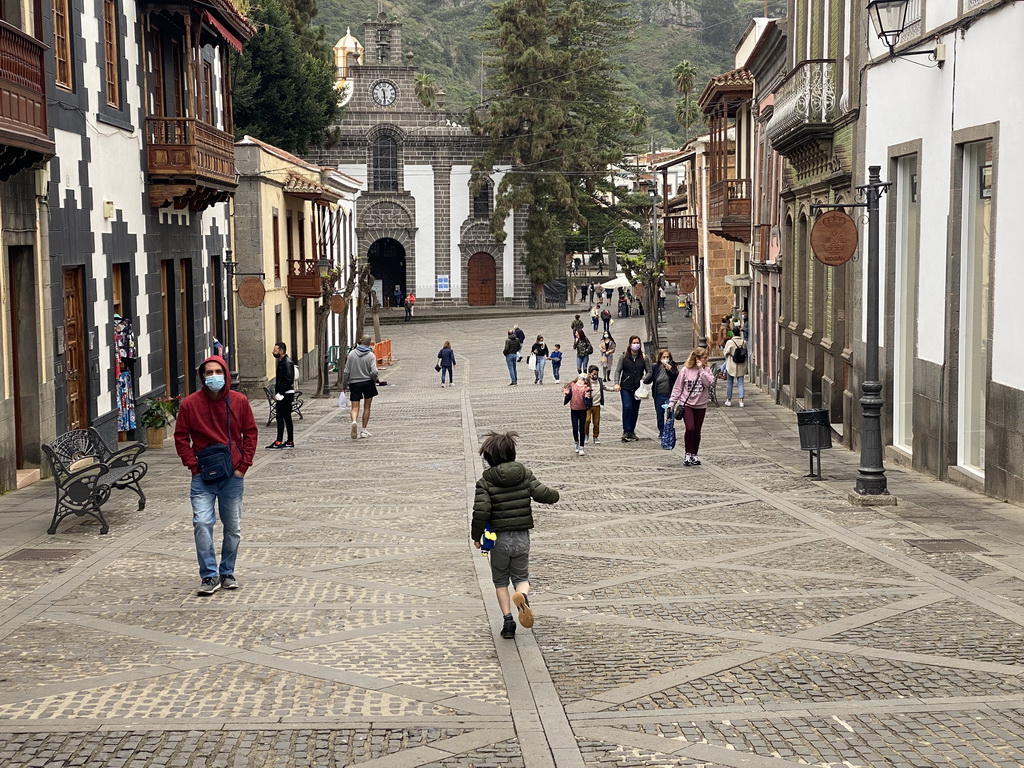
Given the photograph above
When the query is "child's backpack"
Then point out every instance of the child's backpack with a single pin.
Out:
(487, 540)
(739, 354)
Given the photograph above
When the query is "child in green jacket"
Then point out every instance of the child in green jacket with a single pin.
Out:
(504, 496)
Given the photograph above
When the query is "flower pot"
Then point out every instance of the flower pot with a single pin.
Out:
(155, 437)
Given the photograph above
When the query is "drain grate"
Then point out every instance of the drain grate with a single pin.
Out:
(945, 545)
(42, 554)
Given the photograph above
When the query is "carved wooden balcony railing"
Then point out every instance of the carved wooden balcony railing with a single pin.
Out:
(805, 106)
(729, 208)
(681, 234)
(190, 163)
(303, 279)
(24, 136)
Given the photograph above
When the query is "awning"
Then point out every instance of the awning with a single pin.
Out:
(620, 281)
(228, 36)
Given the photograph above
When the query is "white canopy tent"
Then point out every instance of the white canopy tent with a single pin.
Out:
(619, 281)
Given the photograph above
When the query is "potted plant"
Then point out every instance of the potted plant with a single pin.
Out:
(158, 413)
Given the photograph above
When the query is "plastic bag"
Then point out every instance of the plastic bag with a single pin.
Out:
(343, 400)
(668, 434)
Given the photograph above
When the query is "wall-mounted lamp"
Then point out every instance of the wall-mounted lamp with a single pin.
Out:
(889, 18)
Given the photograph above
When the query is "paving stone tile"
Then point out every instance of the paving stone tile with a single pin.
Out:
(829, 556)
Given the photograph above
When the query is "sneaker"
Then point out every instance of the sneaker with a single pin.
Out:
(596, 441)
(275, 446)
(228, 582)
(355, 430)
(522, 602)
(582, 452)
(508, 629)
(728, 403)
(632, 438)
(365, 433)
(289, 446)
(208, 586)
(695, 461)
(741, 404)
(688, 460)
(625, 437)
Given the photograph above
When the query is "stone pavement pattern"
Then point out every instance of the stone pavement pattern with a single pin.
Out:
(733, 614)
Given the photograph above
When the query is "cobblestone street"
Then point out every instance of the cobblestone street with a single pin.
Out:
(732, 615)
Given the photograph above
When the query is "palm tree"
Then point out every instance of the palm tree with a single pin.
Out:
(637, 119)
(684, 74)
(426, 90)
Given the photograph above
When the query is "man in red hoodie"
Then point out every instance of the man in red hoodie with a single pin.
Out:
(216, 416)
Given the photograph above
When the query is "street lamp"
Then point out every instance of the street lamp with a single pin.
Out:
(889, 18)
(324, 266)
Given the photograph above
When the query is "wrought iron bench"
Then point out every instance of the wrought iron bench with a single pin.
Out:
(85, 471)
(297, 403)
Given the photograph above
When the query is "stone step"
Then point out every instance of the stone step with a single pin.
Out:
(27, 477)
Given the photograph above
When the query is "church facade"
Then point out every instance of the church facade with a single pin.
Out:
(418, 223)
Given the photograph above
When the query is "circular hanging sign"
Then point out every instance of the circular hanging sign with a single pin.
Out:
(251, 291)
(338, 304)
(687, 283)
(834, 238)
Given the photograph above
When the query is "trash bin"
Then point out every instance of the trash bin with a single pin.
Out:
(815, 429)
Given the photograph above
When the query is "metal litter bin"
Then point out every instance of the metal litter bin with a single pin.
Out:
(815, 435)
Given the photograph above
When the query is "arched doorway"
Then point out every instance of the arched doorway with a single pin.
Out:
(387, 264)
(481, 281)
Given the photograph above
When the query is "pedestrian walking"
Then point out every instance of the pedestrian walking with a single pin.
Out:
(284, 395)
(215, 437)
(408, 308)
(576, 325)
(736, 354)
(600, 266)
(606, 318)
(662, 379)
(359, 380)
(691, 392)
(595, 316)
(511, 353)
(540, 353)
(446, 362)
(556, 361)
(607, 350)
(503, 503)
(597, 400)
(519, 334)
(579, 399)
(397, 297)
(632, 368)
(584, 349)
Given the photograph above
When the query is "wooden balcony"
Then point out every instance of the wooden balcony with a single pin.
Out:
(681, 234)
(729, 209)
(24, 134)
(190, 164)
(805, 106)
(303, 280)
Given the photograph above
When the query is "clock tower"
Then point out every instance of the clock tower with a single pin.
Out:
(418, 224)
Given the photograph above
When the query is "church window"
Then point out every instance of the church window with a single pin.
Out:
(385, 164)
(482, 201)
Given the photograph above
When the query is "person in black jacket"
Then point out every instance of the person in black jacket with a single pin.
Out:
(511, 353)
(631, 369)
(284, 394)
(503, 503)
(662, 378)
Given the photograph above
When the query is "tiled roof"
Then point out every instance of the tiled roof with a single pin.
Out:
(728, 82)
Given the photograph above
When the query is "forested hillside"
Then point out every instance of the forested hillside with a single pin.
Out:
(443, 36)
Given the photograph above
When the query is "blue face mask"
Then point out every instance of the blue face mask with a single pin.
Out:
(214, 383)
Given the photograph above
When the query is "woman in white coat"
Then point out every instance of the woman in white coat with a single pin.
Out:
(735, 370)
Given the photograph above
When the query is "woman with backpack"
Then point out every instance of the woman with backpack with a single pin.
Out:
(736, 354)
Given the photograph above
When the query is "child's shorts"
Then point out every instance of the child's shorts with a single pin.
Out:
(510, 558)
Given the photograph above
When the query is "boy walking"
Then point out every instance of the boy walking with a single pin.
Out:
(556, 361)
(503, 500)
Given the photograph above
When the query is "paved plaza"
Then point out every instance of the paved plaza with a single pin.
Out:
(732, 615)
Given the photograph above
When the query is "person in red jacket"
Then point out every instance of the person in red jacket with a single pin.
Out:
(216, 416)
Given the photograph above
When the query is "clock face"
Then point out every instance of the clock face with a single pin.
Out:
(384, 93)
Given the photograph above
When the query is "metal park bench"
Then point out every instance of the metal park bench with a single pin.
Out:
(85, 471)
(297, 403)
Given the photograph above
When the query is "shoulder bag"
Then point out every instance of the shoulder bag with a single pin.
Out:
(215, 461)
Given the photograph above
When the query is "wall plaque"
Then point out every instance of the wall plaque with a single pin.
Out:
(687, 283)
(338, 304)
(834, 238)
(251, 292)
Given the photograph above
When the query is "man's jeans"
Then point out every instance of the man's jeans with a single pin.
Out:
(511, 360)
(728, 386)
(630, 411)
(228, 495)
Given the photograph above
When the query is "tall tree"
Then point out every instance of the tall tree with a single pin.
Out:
(426, 89)
(283, 94)
(555, 117)
(684, 76)
(637, 120)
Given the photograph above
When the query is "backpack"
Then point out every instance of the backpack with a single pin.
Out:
(739, 354)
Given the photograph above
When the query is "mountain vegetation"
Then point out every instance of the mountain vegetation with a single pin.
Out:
(446, 37)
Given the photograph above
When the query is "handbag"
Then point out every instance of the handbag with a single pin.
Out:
(643, 391)
(668, 434)
(215, 461)
(437, 367)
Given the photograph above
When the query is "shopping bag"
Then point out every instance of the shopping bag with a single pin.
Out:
(531, 361)
(668, 433)
(343, 400)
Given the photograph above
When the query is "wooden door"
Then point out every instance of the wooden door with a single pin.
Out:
(482, 288)
(75, 372)
(12, 292)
